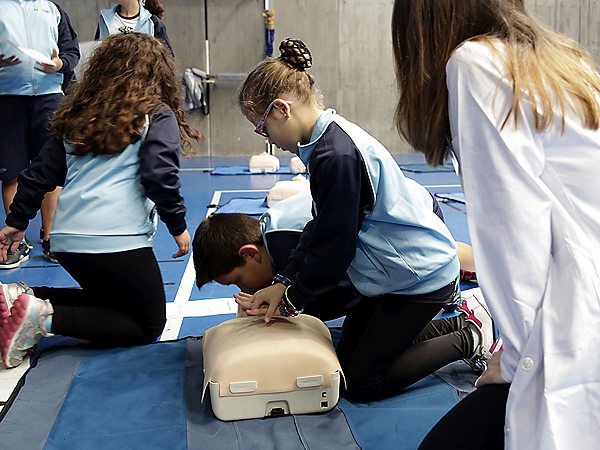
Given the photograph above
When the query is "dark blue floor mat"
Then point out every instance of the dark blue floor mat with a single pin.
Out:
(145, 397)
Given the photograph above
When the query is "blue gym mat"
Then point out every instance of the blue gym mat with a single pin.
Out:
(145, 409)
(148, 397)
(249, 206)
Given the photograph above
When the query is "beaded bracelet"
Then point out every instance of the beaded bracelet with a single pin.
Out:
(286, 307)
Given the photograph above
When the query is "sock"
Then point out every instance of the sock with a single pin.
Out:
(476, 336)
(48, 323)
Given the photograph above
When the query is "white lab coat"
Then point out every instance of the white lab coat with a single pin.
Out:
(533, 208)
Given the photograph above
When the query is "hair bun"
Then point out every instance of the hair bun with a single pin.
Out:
(295, 53)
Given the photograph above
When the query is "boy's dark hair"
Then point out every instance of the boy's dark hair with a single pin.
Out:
(217, 242)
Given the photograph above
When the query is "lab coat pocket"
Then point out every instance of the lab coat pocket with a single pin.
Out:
(564, 306)
(571, 320)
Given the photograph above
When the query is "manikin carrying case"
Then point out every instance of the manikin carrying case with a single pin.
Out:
(255, 369)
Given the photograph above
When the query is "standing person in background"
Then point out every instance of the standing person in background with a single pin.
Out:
(30, 92)
(133, 15)
(519, 106)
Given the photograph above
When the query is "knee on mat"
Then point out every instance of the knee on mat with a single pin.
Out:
(152, 333)
(146, 333)
(362, 391)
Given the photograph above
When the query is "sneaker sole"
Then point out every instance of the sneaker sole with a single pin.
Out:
(4, 309)
(15, 264)
(15, 331)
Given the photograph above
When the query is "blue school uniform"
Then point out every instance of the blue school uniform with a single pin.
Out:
(147, 23)
(371, 222)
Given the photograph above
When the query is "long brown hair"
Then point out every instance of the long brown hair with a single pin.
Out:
(128, 76)
(155, 7)
(539, 63)
(274, 77)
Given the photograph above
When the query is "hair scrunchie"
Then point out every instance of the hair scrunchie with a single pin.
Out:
(295, 53)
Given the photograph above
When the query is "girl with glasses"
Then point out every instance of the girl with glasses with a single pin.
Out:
(371, 223)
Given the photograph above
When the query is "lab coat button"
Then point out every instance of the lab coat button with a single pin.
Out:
(527, 364)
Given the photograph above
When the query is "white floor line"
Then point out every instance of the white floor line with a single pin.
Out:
(173, 325)
(442, 186)
(9, 378)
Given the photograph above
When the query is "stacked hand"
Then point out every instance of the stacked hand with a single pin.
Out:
(263, 303)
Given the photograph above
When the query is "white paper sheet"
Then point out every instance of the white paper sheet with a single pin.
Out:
(29, 52)
(196, 308)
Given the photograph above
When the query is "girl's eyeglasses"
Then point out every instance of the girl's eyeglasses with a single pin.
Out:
(261, 123)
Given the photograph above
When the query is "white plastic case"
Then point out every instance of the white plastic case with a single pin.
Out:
(274, 405)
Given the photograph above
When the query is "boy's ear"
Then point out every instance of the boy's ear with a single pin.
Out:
(249, 250)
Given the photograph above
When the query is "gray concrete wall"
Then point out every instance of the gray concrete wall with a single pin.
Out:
(350, 42)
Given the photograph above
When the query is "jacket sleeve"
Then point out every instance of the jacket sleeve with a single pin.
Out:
(159, 169)
(343, 197)
(43, 175)
(160, 32)
(68, 44)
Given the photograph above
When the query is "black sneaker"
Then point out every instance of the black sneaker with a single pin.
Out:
(47, 253)
(15, 259)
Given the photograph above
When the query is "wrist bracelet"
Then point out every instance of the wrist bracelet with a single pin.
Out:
(286, 307)
(281, 279)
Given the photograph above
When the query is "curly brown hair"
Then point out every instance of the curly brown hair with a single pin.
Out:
(128, 76)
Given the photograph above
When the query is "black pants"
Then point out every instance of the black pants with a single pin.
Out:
(24, 128)
(480, 419)
(121, 300)
(389, 343)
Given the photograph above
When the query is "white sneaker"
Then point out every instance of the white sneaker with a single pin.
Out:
(8, 294)
(25, 327)
(476, 312)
